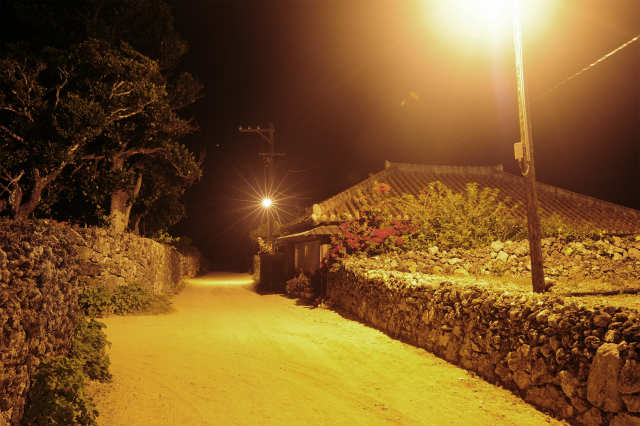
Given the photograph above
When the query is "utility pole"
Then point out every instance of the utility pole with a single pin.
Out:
(523, 151)
(267, 134)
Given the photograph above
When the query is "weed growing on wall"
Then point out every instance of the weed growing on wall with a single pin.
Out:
(126, 299)
(95, 301)
(89, 347)
(57, 395)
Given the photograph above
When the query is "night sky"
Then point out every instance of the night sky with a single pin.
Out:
(332, 77)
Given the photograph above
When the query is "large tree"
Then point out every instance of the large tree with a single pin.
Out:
(122, 60)
(44, 127)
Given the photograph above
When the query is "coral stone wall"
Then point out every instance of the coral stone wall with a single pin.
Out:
(579, 363)
(108, 260)
(42, 263)
(611, 258)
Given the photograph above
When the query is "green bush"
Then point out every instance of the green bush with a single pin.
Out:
(556, 226)
(89, 347)
(130, 298)
(436, 216)
(57, 394)
(95, 301)
(439, 216)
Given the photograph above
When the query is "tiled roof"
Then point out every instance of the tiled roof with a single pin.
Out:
(319, 230)
(411, 178)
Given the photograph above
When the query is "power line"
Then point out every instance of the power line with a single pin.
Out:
(591, 65)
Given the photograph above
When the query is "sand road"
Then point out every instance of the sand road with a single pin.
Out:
(228, 356)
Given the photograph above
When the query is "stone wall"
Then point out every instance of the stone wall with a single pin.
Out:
(108, 260)
(612, 260)
(577, 362)
(42, 263)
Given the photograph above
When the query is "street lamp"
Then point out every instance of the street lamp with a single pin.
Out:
(493, 12)
(266, 203)
(523, 151)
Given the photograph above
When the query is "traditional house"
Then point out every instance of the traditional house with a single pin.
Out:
(309, 236)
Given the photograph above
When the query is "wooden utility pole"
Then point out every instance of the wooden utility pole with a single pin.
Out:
(524, 155)
(267, 134)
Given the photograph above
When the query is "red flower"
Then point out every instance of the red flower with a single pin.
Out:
(382, 187)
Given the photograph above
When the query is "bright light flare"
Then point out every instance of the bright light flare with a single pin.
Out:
(485, 20)
(266, 202)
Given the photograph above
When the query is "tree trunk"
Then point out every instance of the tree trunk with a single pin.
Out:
(24, 210)
(121, 202)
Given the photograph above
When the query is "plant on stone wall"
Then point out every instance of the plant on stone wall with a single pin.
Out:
(95, 301)
(126, 299)
(57, 395)
(556, 226)
(129, 298)
(89, 347)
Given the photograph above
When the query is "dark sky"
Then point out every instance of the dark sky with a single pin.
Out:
(331, 75)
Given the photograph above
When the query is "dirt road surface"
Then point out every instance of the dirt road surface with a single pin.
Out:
(228, 356)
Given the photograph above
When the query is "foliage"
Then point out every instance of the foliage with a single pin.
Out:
(90, 122)
(126, 299)
(556, 226)
(436, 216)
(95, 301)
(300, 287)
(89, 347)
(57, 394)
(131, 298)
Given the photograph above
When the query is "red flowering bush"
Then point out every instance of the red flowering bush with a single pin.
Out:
(436, 216)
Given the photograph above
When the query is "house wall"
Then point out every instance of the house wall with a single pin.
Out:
(307, 256)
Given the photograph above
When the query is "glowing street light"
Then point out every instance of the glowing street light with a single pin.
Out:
(266, 202)
(494, 13)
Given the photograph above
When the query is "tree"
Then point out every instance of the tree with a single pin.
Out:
(43, 127)
(113, 109)
(148, 128)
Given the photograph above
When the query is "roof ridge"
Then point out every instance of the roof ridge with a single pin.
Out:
(347, 193)
(448, 169)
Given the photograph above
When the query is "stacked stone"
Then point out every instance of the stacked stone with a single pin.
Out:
(580, 363)
(38, 305)
(613, 259)
(42, 264)
(116, 260)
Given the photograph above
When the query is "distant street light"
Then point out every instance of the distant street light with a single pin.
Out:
(266, 203)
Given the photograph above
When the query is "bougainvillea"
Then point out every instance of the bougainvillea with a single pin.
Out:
(435, 216)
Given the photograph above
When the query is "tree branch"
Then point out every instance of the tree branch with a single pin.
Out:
(10, 133)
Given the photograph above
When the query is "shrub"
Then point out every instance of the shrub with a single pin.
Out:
(300, 287)
(95, 301)
(556, 226)
(57, 395)
(89, 347)
(130, 298)
(57, 389)
(442, 217)
(436, 216)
